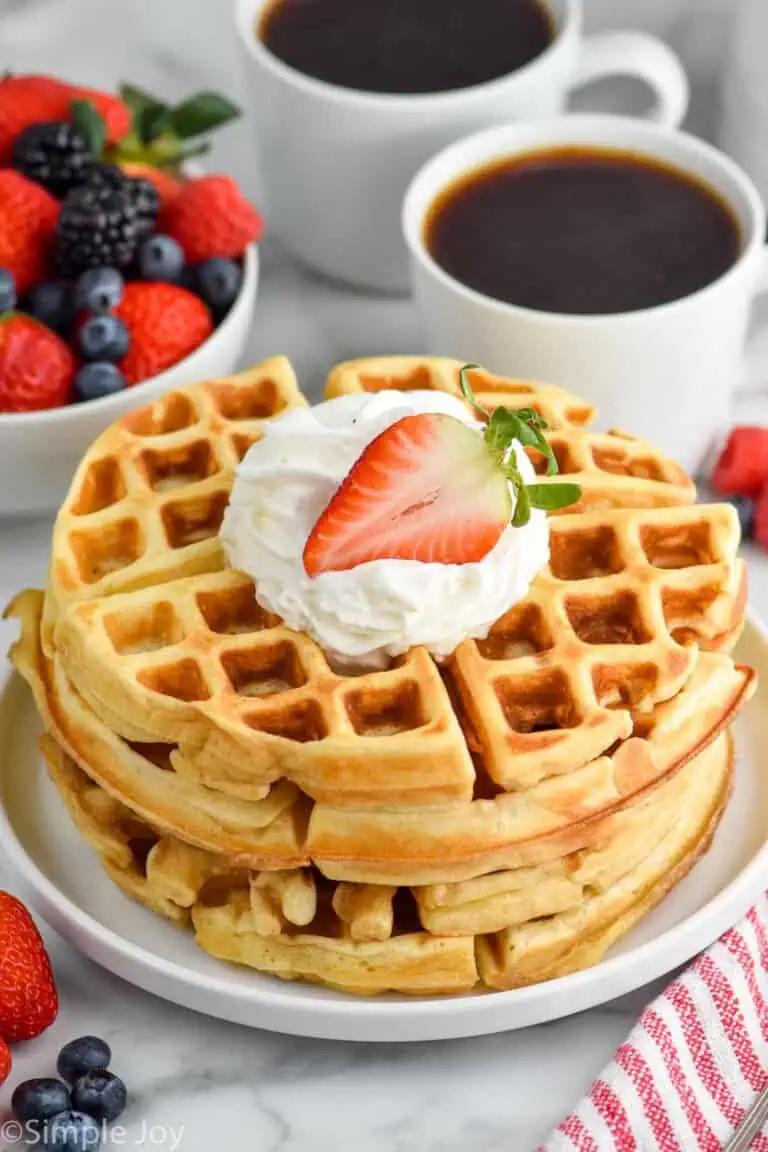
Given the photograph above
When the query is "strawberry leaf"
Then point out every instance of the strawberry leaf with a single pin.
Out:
(199, 114)
(90, 124)
(553, 497)
(192, 153)
(148, 111)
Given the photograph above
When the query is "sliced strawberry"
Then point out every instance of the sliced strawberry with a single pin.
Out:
(742, 470)
(426, 489)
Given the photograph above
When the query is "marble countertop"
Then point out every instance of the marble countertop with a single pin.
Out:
(197, 1083)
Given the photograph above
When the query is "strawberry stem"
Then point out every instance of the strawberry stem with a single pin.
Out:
(526, 426)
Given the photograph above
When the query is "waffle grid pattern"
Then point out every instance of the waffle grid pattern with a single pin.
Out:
(499, 818)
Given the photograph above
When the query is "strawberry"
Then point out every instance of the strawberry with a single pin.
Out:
(28, 1000)
(168, 187)
(26, 100)
(166, 323)
(761, 519)
(433, 489)
(37, 371)
(28, 216)
(6, 1061)
(210, 217)
(742, 469)
(117, 116)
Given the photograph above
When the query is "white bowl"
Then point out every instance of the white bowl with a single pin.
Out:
(39, 451)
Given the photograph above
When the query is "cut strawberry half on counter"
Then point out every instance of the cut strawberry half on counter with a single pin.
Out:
(433, 489)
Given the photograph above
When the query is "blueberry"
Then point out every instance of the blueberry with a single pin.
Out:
(218, 282)
(100, 1094)
(38, 1100)
(161, 258)
(100, 378)
(51, 303)
(104, 338)
(71, 1132)
(745, 507)
(7, 291)
(99, 290)
(87, 1052)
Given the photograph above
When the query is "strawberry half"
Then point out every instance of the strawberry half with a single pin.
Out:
(433, 489)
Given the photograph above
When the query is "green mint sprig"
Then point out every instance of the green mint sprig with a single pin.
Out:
(527, 427)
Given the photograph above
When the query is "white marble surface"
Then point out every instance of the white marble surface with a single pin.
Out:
(222, 1085)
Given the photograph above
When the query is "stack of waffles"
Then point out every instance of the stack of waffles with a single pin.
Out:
(495, 820)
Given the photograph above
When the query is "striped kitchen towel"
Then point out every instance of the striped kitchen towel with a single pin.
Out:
(694, 1062)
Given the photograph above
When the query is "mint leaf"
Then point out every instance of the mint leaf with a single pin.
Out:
(531, 416)
(466, 389)
(553, 497)
(530, 436)
(503, 427)
(90, 124)
(522, 513)
(201, 113)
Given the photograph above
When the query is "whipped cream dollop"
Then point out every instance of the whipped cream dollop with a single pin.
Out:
(382, 608)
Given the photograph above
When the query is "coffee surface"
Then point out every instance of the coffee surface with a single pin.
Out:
(406, 46)
(585, 231)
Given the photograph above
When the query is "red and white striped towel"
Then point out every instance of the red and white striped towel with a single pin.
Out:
(694, 1062)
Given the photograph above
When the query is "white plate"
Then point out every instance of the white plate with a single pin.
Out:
(67, 888)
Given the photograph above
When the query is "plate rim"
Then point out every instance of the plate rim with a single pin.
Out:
(460, 1015)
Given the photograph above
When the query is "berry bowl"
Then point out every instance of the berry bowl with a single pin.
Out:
(40, 450)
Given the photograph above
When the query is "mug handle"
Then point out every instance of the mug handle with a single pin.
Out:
(635, 54)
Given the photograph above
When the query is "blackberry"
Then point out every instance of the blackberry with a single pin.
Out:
(141, 193)
(53, 154)
(98, 227)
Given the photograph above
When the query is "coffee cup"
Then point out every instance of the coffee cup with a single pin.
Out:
(665, 372)
(334, 162)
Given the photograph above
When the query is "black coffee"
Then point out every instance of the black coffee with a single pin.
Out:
(406, 46)
(583, 230)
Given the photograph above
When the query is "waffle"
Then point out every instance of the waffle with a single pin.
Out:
(496, 819)
(367, 939)
(147, 500)
(394, 845)
(614, 469)
(199, 664)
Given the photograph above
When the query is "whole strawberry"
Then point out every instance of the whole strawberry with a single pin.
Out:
(37, 371)
(28, 216)
(28, 1000)
(6, 1061)
(166, 323)
(211, 217)
(26, 100)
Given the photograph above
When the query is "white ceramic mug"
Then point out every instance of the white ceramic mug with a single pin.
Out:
(335, 162)
(666, 373)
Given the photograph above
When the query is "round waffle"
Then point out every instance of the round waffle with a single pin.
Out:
(498, 818)
(373, 938)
